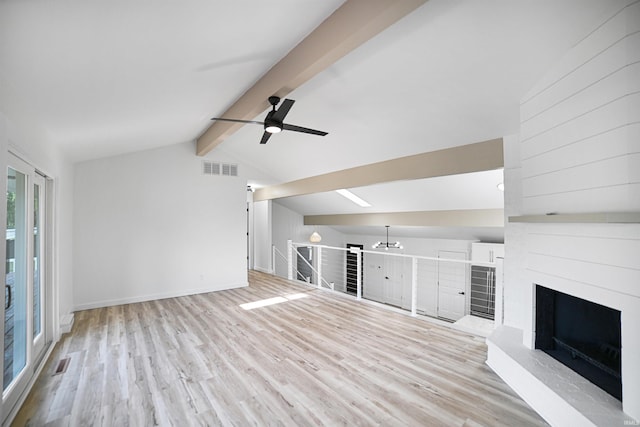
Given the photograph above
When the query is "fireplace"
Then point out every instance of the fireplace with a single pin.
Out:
(582, 335)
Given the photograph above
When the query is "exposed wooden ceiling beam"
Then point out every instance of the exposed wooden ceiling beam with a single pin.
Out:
(481, 156)
(352, 24)
(451, 218)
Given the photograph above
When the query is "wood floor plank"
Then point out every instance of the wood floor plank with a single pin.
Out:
(313, 358)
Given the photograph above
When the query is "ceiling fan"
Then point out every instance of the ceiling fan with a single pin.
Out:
(273, 123)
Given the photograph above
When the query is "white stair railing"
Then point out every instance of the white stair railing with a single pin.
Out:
(298, 255)
(275, 253)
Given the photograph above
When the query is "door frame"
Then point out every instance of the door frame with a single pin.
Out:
(16, 393)
(349, 254)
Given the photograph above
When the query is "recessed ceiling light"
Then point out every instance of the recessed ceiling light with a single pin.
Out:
(500, 186)
(355, 199)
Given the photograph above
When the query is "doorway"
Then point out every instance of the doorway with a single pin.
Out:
(304, 262)
(27, 313)
(352, 269)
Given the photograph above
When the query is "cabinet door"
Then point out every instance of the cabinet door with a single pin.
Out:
(498, 251)
(480, 252)
(486, 252)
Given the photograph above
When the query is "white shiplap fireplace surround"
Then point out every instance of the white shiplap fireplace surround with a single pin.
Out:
(572, 198)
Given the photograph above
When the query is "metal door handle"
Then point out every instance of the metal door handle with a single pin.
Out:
(461, 293)
(8, 304)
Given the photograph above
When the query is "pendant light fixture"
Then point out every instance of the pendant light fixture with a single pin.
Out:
(315, 237)
(387, 245)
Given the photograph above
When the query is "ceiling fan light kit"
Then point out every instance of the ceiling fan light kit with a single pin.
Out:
(272, 128)
(274, 122)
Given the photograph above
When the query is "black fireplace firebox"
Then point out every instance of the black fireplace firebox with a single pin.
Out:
(582, 335)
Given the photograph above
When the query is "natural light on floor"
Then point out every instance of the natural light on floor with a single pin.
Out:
(272, 301)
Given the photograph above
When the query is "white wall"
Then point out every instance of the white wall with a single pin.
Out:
(262, 236)
(580, 127)
(150, 225)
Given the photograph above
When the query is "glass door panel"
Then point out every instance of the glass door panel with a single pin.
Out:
(15, 320)
(38, 272)
(37, 327)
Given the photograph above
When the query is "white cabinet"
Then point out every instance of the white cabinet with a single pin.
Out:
(486, 252)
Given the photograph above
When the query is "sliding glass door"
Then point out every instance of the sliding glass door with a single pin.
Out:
(25, 285)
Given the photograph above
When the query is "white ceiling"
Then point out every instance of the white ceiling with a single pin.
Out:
(100, 78)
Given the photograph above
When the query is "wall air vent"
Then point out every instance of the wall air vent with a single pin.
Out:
(229, 170)
(215, 168)
(210, 168)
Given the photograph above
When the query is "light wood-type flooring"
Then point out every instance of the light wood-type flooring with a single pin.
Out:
(309, 358)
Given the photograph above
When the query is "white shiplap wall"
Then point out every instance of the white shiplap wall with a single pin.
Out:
(579, 152)
(580, 126)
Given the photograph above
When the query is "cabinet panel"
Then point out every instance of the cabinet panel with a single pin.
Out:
(486, 252)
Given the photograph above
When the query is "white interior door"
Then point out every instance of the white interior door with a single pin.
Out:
(393, 280)
(384, 278)
(374, 278)
(451, 285)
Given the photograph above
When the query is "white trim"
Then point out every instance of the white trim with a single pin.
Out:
(263, 270)
(66, 323)
(153, 297)
(25, 393)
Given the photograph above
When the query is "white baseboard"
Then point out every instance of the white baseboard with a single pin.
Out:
(263, 270)
(153, 297)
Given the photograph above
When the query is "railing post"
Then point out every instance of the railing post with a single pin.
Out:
(319, 265)
(290, 259)
(358, 272)
(414, 286)
(273, 260)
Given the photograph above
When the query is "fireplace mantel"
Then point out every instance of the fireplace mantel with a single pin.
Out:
(580, 218)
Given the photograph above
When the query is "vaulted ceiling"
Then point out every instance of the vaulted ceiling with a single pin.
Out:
(108, 77)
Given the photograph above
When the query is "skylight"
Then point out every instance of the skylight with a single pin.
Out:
(355, 199)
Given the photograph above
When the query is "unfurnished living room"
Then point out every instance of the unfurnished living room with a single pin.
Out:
(321, 212)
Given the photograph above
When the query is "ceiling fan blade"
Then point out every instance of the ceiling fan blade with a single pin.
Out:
(265, 137)
(282, 112)
(303, 130)
(237, 121)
